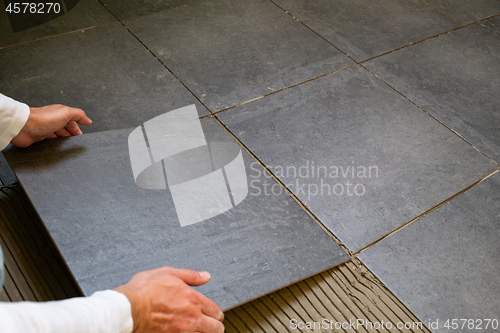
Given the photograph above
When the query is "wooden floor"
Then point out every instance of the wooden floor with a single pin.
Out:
(348, 293)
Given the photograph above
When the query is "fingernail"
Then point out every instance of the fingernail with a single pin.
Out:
(205, 275)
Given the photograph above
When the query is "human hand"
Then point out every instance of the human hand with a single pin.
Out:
(49, 122)
(162, 301)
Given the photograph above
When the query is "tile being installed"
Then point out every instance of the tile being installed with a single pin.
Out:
(48, 19)
(116, 205)
(104, 71)
(454, 77)
(445, 265)
(363, 158)
(228, 52)
(466, 11)
(366, 29)
(124, 9)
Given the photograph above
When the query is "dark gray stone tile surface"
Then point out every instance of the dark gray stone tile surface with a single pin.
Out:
(366, 29)
(466, 11)
(228, 52)
(108, 228)
(74, 15)
(313, 136)
(105, 71)
(455, 77)
(124, 9)
(445, 265)
(489, 29)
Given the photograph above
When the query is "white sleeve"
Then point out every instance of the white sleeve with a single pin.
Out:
(13, 117)
(104, 312)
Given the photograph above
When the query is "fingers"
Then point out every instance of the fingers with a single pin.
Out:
(211, 325)
(72, 129)
(194, 278)
(210, 308)
(79, 116)
(190, 277)
(63, 132)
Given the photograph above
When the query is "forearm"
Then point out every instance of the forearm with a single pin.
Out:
(103, 312)
(13, 117)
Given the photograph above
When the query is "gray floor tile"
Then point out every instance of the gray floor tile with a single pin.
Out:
(466, 11)
(445, 265)
(366, 29)
(489, 29)
(104, 70)
(404, 161)
(228, 52)
(107, 227)
(124, 9)
(455, 77)
(74, 15)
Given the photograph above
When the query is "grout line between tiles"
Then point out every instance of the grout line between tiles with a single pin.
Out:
(61, 34)
(154, 55)
(290, 193)
(277, 91)
(326, 40)
(380, 55)
(440, 11)
(159, 11)
(454, 19)
(427, 212)
(428, 38)
(430, 115)
(483, 36)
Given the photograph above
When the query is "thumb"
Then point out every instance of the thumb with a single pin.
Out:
(190, 277)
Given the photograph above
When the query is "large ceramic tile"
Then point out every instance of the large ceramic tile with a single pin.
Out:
(364, 29)
(489, 29)
(362, 157)
(104, 70)
(129, 8)
(66, 16)
(455, 77)
(228, 52)
(445, 265)
(466, 11)
(111, 217)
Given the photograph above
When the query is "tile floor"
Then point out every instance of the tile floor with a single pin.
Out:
(382, 116)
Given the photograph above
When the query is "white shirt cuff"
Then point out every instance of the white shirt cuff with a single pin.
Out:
(13, 117)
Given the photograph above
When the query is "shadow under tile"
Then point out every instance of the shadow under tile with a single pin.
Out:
(363, 158)
(104, 70)
(466, 11)
(119, 224)
(125, 9)
(444, 265)
(454, 77)
(366, 29)
(7, 177)
(489, 29)
(228, 52)
(49, 20)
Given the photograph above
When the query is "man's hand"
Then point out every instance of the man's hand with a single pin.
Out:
(162, 301)
(49, 122)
